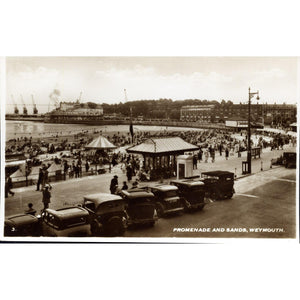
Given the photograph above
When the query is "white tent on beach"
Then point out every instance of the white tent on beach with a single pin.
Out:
(53, 168)
(99, 143)
(17, 176)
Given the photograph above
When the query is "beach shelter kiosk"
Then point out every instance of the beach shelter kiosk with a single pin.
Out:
(160, 155)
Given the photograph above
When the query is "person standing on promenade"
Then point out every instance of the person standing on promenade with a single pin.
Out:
(66, 167)
(79, 166)
(194, 162)
(40, 179)
(76, 170)
(206, 154)
(45, 178)
(87, 166)
(8, 187)
(212, 154)
(46, 197)
(114, 184)
(226, 153)
(129, 172)
(200, 155)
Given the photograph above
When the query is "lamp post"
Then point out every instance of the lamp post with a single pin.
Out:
(249, 129)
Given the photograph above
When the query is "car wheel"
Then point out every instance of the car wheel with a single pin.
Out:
(95, 230)
(159, 210)
(213, 196)
(200, 207)
(115, 227)
(151, 224)
(229, 196)
(219, 196)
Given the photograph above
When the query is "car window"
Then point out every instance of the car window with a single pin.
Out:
(90, 205)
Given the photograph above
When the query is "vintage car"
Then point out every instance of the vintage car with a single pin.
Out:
(167, 199)
(107, 214)
(192, 193)
(140, 207)
(70, 221)
(289, 159)
(22, 225)
(218, 184)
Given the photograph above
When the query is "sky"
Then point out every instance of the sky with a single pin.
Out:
(103, 79)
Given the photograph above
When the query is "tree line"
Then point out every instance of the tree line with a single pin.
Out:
(157, 109)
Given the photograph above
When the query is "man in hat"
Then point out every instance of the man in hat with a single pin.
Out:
(46, 197)
(40, 179)
(114, 184)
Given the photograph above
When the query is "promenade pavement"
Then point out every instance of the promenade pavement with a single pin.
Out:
(71, 191)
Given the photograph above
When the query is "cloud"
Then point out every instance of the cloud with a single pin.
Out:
(147, 83)
(106, 83)
(271, 74)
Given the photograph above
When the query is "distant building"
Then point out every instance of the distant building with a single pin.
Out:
(264, 113)
(77, 108)
(196, 113)
(238, 123)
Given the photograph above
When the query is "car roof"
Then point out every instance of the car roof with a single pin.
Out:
(164, 187)
(66, 212)
(21, 219)
(217, 173)
(189, 182)
(100, 198)
(137, 193)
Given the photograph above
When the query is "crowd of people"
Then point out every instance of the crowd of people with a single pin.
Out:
(79, 162)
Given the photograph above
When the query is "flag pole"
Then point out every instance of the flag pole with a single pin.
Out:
(130, 126)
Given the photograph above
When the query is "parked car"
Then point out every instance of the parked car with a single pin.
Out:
(289, 159)
(218, 184)
(140, 207)
(167, 199)
(107, 214)
(22, 225)
(66, 222)
(192, 193)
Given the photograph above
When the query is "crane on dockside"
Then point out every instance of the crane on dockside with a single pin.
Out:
(16, 110)
(24, 106)
(79, 99)
(35, 110)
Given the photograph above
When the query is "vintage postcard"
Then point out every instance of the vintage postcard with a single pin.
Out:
(145, 148)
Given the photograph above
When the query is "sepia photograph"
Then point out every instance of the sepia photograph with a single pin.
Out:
(150, 147)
